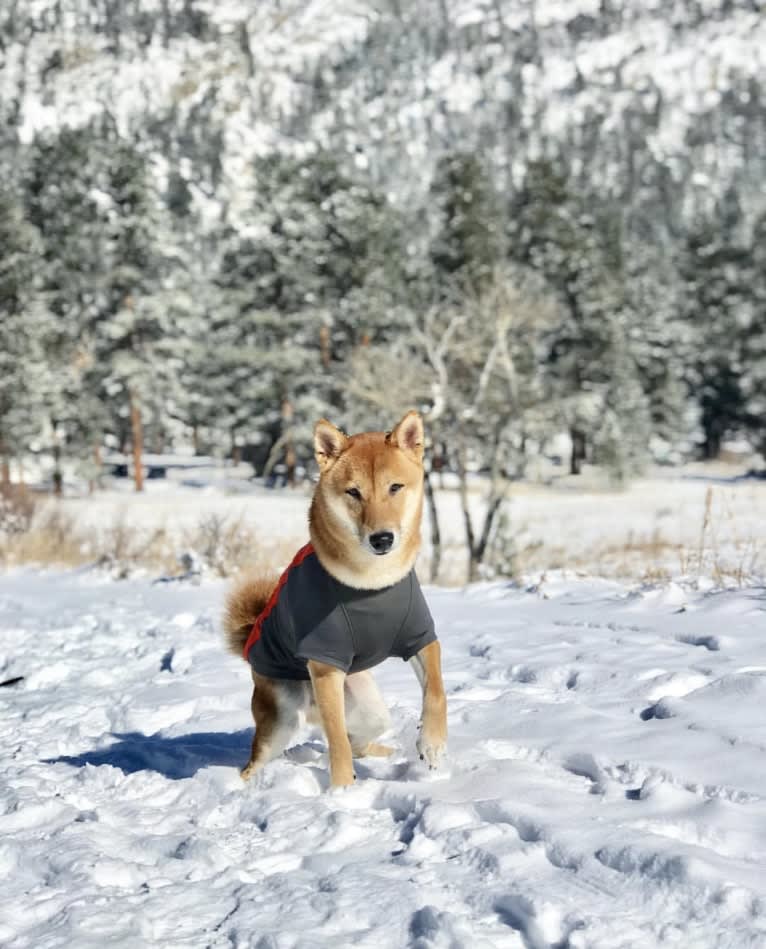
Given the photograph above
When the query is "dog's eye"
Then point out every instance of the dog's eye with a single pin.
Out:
(394, 488)
(355, 493)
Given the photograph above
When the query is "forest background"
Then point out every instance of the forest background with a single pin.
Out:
(541, 223)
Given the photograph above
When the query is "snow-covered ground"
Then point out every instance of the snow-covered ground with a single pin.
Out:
(606, 784)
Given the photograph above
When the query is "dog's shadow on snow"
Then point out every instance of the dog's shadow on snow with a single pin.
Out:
(184, 755)
(175, 758)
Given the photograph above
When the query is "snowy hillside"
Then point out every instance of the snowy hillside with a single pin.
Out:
(397, 84)
(223, 221)
(605, 785)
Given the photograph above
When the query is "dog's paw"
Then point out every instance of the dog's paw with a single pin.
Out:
(432, 751)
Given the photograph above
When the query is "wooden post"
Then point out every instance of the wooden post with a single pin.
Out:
(324, 345)
(137, 433)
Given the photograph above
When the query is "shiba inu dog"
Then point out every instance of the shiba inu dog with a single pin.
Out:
(349, 600)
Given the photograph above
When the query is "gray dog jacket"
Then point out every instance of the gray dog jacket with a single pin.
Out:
(311, 615)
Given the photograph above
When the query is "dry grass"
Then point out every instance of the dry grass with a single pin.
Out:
(17, 508)
(51, 539)
(221, 543)
(724, 548)
(727, 551)
(216, 545)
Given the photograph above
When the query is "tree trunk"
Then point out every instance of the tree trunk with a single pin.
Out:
(477, 549)
(495, 500)
(436, 537)
(95, 481)
(578, 450)
(58, 478)
(324, 346)
(137, 434)
(467, 522)
(439, 461)
(290, 457)
(291, 464)
(714, 432)
(235, 451)
(247, 52)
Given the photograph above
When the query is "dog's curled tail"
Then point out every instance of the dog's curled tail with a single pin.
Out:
(244, 602)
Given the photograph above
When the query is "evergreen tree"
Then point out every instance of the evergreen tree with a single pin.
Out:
(467, 244)
(132, 332)
(318, 274)
(64, 204)
(22, 334)
(754, 368)
(623, 432)
(90, 195)
(662, 344)
(575, 245)
(322, 235)
(717, 273)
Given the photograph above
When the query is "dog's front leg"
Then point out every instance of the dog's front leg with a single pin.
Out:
(432, 740)
(328, 690)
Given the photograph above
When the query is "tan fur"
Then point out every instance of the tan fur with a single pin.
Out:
(263, 705)
(432, 741)
(244, 602)
(350, 708)
(328, 689)
(340, 525)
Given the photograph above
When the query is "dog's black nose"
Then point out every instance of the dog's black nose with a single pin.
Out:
(382, 541)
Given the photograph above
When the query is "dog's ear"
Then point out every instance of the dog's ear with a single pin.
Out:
(329, 442)
(408, 435)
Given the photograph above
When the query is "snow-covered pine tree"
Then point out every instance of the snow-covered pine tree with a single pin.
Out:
(623, 432)
(320, 233)
(467, 243)
(23, 325)
(251, 358)
(135, 330)
(574, 242)
(93, 200)
(312, 274)
(661, 342)
(717, 273)
(63, 204)
(754, 368)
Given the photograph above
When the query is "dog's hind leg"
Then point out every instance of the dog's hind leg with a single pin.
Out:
(366, 715)
(276, 707)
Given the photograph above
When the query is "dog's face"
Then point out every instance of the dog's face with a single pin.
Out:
(370, 494)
